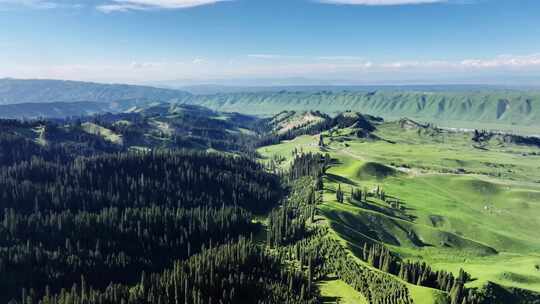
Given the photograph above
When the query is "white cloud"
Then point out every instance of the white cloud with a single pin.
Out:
(381, 2)
(199, 60)
(128, 5)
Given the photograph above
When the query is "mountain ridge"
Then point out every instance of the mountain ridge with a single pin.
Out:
(17, 91)
(521, 108)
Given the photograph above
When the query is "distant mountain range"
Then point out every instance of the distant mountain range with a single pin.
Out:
(217, 89)
(498, 108)
(16, 91)
(452, 106)
(69, 109)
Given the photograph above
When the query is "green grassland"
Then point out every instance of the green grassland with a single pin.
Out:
(463, 205)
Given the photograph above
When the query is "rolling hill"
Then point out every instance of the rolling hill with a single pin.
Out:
(144, 128)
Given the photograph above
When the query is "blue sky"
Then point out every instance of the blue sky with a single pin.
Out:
(343, 41)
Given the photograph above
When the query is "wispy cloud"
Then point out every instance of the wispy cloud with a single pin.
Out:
(509, 61)
(139, 5)
(206, 68)
(501, 61)
(39, 4)
(321, 58)
(276, 56)
(265, 56)
(340, 58)
(107, 5)
(381, 2)
(354, 62)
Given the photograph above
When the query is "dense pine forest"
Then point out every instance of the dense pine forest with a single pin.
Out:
(113, 216)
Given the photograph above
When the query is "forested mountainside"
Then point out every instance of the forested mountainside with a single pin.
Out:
(15, 91)
(52, 110)
(154, 127)
(505, 107)
(66, 109)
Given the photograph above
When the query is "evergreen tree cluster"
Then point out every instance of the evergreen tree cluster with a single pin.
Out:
(112, 245)
(358, 195)
(237, 272)
(173, 179)
(15, 147)
(189, 127)
(288, 223)
(329, 258)
(421, 274)
(308, 164)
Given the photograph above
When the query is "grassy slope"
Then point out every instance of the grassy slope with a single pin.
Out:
(333, 289)
(474, 221)
(107, 134)
(336, 290)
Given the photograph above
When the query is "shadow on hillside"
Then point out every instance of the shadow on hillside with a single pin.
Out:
(335, 162)
(397, 213)
(340, 179)
(330, 299)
